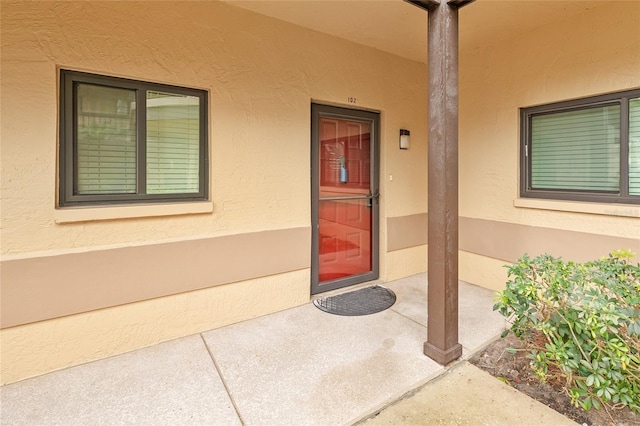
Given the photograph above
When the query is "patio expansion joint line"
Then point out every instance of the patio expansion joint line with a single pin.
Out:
(435, 377)
(224, 382)
(409, 318)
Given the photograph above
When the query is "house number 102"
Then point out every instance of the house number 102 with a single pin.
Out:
(351, 100)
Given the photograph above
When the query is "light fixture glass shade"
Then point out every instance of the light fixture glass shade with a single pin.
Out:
(404, 139)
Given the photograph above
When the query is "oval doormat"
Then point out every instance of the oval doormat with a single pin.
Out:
(365, 301)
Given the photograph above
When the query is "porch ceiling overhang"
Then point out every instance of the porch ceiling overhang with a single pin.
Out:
(398, 27)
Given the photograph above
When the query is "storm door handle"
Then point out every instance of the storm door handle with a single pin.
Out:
(371, 197)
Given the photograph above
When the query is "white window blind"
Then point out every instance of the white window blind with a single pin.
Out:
(173, 141)
(634, 146)
(576, 150)
(106, 140)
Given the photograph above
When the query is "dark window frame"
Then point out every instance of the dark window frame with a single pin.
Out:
(526, 115)
(68, 142)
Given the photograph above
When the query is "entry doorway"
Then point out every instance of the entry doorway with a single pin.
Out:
(345, 197)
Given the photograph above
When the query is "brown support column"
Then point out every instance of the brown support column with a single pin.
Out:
(442, 321)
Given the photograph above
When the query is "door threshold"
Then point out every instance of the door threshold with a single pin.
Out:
(347, 289)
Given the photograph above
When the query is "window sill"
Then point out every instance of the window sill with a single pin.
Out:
(622, 210)
(96, 213)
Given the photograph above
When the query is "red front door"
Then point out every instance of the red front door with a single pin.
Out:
(346, 200)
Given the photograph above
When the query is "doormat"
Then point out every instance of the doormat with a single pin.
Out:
(365, 301)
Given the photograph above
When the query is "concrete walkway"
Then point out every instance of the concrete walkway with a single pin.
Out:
(466, 395)
(297, 367)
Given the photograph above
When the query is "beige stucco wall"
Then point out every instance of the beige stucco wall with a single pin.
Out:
(594, 52)
(36, 348)
(597, 51)
(262, 75)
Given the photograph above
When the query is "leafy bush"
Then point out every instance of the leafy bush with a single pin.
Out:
(582, 323)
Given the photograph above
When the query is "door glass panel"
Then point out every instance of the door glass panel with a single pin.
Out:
(345, 199)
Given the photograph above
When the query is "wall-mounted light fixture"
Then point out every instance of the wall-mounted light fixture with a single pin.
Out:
(404, 139)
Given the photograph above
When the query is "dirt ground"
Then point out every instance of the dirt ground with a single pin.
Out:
(514, 370)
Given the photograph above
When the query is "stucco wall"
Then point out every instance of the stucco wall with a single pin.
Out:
(37, 348)
(262, 75)
(597, 51)
(594, 52)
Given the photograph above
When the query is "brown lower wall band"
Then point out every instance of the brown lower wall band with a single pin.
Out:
(406, 231)
(508, 241)
(41, 288)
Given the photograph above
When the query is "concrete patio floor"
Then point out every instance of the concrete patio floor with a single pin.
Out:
(301, 366)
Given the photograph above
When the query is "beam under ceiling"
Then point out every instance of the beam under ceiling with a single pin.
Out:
(432, 4)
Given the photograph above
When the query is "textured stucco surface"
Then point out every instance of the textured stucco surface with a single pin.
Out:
(37, 348)
(559, 60)
(594, 52)
(406, 262)
(261, 75)
(42, 288)
(481, 270)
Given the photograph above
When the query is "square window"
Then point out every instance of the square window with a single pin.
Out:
(585, 150)
(127, 141)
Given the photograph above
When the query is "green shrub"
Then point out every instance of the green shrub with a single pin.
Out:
(582, 322)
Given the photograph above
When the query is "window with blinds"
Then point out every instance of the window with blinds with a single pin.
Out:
(105, 140)
(576, 150)
(634, 146)
(173, 143)
(587, 149)
(130, 141)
